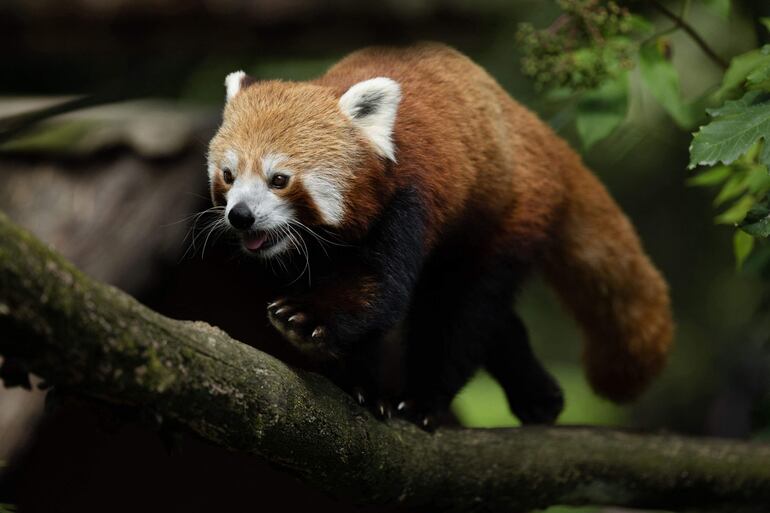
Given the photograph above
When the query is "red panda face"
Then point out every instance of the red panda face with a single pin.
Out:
(287, 158)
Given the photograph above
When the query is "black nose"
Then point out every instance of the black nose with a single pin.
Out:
(240, 216)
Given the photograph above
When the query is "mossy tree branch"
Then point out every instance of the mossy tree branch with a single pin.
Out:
(98, 341)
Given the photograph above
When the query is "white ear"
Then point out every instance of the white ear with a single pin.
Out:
(372, 106)
(233, 83)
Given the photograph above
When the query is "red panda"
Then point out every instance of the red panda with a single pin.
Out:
(418, 196)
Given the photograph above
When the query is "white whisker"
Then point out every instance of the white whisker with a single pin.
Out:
(218, 222)
(216, 226)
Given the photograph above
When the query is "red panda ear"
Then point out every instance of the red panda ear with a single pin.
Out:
(372, 106)
(236, 81)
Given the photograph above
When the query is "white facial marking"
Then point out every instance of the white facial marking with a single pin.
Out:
(322, 186)
(327, 194)
(372, 106)
(271, 163)
(233, 83)
(270, 211)
(212, 169)
(230, 161)
(276, 249)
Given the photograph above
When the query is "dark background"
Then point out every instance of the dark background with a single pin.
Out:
(112, 187)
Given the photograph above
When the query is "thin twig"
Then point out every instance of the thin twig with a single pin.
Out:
(681, 23)
(559, 23)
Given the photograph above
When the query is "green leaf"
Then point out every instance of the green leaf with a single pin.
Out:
(600, 111)
(743, 243)
(640, 24)
(758, 263)
(740, 67)
(720, 7)
(713, 176)
(738, 106)
(765, 22)
(734, 129)
(736, 212)
(757, 220)
(757, 180)
(731, 189)
(662, 79)
(760, 77)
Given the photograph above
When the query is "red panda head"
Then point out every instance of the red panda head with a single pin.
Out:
(291, 154)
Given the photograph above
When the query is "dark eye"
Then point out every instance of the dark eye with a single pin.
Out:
(279, 181)
(227, 175)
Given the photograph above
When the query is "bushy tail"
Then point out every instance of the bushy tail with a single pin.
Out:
(602, 274)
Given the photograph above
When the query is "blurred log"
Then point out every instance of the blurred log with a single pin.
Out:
(94, 339)
(112, 189)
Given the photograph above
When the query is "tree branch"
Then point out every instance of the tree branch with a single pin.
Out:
(98, 341)
(681, 23)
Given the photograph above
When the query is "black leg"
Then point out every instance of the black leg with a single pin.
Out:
(533, 394)
(439, 361)
(358, 300)
(461, 319)
(453, 312)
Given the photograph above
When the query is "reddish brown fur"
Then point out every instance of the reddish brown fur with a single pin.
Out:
(467, 143)
(303, 204)
(469, 148)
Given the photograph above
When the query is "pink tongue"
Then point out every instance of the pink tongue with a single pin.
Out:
(254, 243)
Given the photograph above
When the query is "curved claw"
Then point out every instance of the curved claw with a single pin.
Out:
(360, 396)
(415, 413)
(297, 318)
(319, 333)
(384, 410)
(283, 310)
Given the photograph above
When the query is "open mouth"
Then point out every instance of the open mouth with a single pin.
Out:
(257, 241)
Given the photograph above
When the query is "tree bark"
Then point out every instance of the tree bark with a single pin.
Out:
(96, 340)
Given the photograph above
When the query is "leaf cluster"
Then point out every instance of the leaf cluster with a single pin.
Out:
(735, 143)
(585, 56)
(586, 46)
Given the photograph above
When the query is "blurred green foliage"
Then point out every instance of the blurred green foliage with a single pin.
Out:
(737, 135)
(584, 47)
(662, 79)
(611, 115)
(482, 402)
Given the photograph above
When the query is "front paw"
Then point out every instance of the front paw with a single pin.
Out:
(382, 408)
(418, 413)
(300, 327)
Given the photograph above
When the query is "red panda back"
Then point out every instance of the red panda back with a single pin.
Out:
(464, 141)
